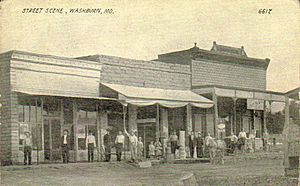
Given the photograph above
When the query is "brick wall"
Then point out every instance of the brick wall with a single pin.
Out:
(153, 74)
(226, 74)
(9, 142)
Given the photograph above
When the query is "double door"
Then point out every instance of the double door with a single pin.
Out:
(52, 139)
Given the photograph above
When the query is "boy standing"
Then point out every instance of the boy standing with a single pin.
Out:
(27, 148)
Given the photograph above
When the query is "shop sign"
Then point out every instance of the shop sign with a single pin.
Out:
(255, 104)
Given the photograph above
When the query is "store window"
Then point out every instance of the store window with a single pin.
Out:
(29, 117)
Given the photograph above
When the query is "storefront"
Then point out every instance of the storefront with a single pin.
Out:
(71, 96)
(248, 109)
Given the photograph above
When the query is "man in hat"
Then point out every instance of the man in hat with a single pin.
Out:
(65, 146)
(119, 145)
(107, 140)
(199, 145)
(132, 143)
(27, 148)
(90, 145)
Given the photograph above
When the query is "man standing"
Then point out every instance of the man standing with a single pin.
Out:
(27, 148)
(119, 145)
(174, 142)
(65, 146)
(107, 139)
(90, 145)
(199, 142)
(192, 144)
(242, 138)
(233, 142)
(132, 144)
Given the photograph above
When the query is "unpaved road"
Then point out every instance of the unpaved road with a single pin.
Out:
(248, 172)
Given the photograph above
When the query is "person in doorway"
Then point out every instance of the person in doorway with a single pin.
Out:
(199, 145)
(107, 141)
(173, 139)
(27, 148)
(151, 150)
(65, 146)
(192, 144)
(132, 144)
(242, 139)
(90, 145)
(140, 148)
(119, 145)
(158, 148)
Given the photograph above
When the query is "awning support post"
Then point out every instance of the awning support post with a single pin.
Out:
(124, 125)
(157, 122)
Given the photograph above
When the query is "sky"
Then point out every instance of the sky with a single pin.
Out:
(145, 28)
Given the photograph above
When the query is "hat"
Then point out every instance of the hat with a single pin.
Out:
(26, 132)
(108, 129)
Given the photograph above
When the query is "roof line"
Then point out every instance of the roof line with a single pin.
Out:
(238, 88)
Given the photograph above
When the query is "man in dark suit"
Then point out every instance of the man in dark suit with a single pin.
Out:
(65, 146)
(200, 143)
(192, 144)
(107, 139)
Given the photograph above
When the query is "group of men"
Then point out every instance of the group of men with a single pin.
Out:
(136, 145)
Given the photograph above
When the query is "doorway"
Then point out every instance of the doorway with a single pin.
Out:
(147, 132)
(52, 136)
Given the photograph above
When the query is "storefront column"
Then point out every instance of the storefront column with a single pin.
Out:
(189, 123)
(234, 116)
(75, 130)
(216, 114)
(132, 117)
(164, 128)
(99, 141)
(157, 123)
(164, 123)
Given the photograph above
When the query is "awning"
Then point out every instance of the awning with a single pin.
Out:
(58, 94)
(142, 96)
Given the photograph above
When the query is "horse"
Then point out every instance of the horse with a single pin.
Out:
(216, 149)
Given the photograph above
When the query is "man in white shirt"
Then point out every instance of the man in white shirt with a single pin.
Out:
(90, 145)
(65, 146)
(242, 138)
(27, 148)
(119, 145)
(132, 144)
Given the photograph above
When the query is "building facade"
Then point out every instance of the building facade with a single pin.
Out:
(46, 94)
(235, 82)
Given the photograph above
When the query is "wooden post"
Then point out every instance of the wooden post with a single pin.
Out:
(124, 125)
(216, 114)
(42, 120)
(98, 131)
(75, 130)
(234, 116)
(37, 133)
(157, 122)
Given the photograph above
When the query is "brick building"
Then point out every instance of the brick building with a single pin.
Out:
(235, 82)
(46, 94)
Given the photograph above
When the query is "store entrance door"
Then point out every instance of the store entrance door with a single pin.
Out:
(147, 132)
(52, 136)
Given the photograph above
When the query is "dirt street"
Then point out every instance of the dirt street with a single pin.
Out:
(248, 172)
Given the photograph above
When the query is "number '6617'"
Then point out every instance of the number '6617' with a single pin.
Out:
(264, 11)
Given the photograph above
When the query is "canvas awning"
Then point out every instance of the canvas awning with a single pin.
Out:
(142, 96)
(59, 94)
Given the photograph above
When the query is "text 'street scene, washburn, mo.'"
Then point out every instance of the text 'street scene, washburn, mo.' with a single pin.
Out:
(150, 92)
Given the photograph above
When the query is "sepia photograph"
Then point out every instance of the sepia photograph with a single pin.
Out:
(158, 93)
